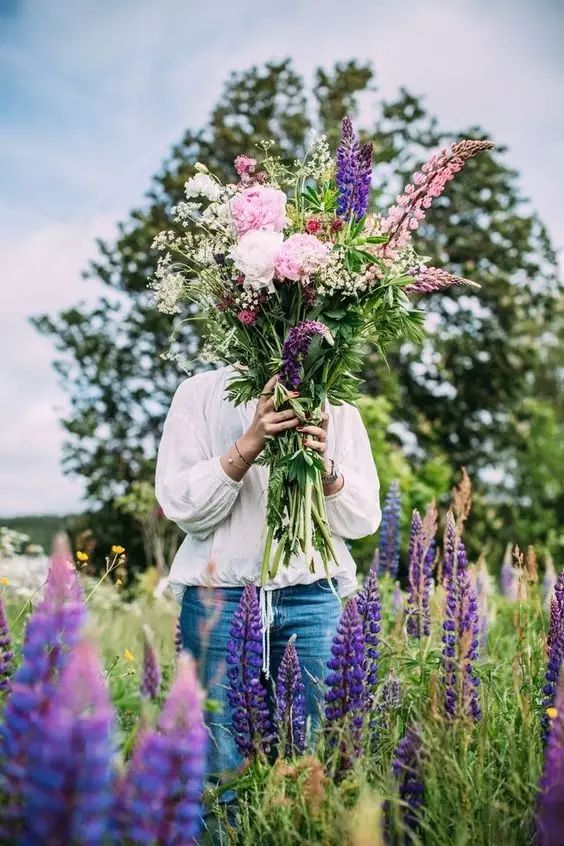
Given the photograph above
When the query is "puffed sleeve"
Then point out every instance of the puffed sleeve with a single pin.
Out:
(191, 486)
(354, 511)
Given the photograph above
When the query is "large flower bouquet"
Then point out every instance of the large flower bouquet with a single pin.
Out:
(289, 274)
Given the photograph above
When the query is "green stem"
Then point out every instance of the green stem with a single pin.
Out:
(276, 560)
(266, 556)
(308, 528)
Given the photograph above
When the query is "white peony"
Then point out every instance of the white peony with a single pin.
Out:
(254, 256)
(202, 185)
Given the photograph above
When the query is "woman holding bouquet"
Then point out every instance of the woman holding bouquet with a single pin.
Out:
(207, 482)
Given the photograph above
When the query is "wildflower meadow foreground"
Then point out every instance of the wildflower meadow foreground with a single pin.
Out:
(443, 711)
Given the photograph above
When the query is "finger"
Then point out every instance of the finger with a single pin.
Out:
(316, 431)
(276, 428)
(325, 418)
(318, 446)
(269, 387)
(279, 416)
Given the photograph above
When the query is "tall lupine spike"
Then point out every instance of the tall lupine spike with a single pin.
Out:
(6, 653)
(289, 716)
(68, 789)
(460, 644)
(345, 698)
(420, 572)
(353, 174)
(389, 548)
(295, 347)
(509, 580)
(406, 768)
(548, 580)
(427, 184)
(159, 797)
(151, 679)
(53, 629)
(370, 609)
(177, 638)
(556, 612)
(554, 666)
(483, 584)
(449, 548)
(550, 818)
(429, 280)
(246, 694)
(389, 695)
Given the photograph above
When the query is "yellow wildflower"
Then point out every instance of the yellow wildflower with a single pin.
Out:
(117, 549)
(551, 713)
(82, 556)
(4, 580)
(128, 655)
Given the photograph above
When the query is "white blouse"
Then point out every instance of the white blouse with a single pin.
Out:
(224, 520)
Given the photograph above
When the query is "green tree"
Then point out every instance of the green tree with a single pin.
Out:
(455, 396)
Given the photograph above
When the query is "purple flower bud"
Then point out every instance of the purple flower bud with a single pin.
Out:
(460, 644)
(159, 797)
(550, 819)
(6, 653)
(247, 697)
(52, 630)
(389, 549)
(406, 769)
(449, 548)
(67, 792)
(389, 695)
(345, 698)
(289, 717)
(370, 609)
(553, 668)
(296, 347)
(151, 680)
(556, 612)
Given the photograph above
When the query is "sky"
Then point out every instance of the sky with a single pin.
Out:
(93, 93)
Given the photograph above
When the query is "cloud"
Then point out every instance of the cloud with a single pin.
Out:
(95, 94)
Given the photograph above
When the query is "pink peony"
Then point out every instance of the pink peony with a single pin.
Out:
(259, 207)
(300, 256)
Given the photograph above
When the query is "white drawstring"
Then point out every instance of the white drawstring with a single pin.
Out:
(266, 618)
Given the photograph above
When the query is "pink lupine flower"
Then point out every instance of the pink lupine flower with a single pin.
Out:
(428, 184)
(300, 256)
(259, 207)
(427, 280)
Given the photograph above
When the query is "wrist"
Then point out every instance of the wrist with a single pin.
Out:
(250, 445)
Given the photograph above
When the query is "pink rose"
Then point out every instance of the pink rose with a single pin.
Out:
(300, 256)
(259, 207)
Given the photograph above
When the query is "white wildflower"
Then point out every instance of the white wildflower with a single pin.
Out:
(168, 286)
(202, 185)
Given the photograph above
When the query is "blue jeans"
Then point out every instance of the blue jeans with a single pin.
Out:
(311, 612)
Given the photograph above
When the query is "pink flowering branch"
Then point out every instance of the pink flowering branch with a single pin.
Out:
(426, 185)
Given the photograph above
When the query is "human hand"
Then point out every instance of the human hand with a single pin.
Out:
(268, 422)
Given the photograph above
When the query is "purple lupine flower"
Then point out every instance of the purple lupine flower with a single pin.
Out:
(550, 818)
(420, 577)
(428, 280)
(553, 670)
(6, 653)
(178, 638)
(159, 797)
(151, 678)
(246, 694)
(389, 549)
(369, 605)
(460, 644)
(397, 600)
(406, 768)
(345, 698)
(426, 185)
(68, 788)
(556, 612)
(353, 174)
(296, 347)
(389, 697)
(289, 716)
(509, 580)
(449, 548)
(52, 630)
(483, 592)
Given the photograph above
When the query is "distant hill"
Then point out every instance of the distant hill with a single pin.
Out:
(40, 527)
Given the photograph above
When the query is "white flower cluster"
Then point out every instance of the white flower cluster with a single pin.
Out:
(14, 543)
(164, 240)
(318, 162)
(336, 278)
(202, 185)
(186, 213)
(168, 287)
